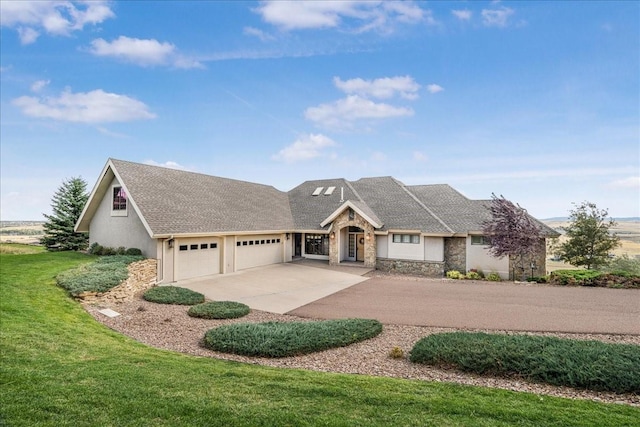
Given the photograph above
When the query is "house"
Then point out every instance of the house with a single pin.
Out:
(197, 225)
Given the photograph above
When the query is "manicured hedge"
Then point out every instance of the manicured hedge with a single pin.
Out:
(282, 339)
(580, 364)
(219, 310)
(594, 278)
(173, 295)
(99, 276)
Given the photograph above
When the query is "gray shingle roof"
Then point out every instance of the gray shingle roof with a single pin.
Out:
(178, 202)
(174, 202)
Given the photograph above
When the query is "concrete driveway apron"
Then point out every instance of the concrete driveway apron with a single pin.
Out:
(277, 288)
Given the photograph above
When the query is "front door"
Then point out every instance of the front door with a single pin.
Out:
(360, 247)
(297, 242)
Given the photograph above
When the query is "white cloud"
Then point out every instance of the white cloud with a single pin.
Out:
(168, 164)
(39, 85)
(496, 17)
(462, 14)
(27, 35)
(383, 88)
(143, 52)
(370, 15)
(434, 88)
(96, 106)
(344, 112)
(630, 182)
(378, 156)
(255, 32)
(306, 147)
(419, 156)
(53, 17)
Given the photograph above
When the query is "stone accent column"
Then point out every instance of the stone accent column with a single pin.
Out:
(455, 254)
(350, 218)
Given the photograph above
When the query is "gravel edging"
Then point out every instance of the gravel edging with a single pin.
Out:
(169, 327)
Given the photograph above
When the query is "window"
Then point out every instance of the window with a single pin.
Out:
(194, 247)
(277, 240)
(406, 238)
(204, 246)
(317, 191)
(329, 191)
(119, 199)
(250, 242)
(244, 243)
(183, 247)
(238, 243)
(316, 244)
(480, 240)
(262, 242)
(268, 240)
(213, 245)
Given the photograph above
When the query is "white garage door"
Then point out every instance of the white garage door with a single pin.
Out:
(255, 251)
(197, 257)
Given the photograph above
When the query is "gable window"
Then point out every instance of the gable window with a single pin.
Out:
(119, 199)
(480, 240)
(406, 238)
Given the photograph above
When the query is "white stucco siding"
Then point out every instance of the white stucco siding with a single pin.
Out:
(410, 251)
(478, 258)
(116, 231)
(258, 250)
(433, 249)
(196, 257)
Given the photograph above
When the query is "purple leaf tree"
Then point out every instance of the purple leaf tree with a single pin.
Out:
(512, 232)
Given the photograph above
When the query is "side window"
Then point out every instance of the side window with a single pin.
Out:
(118, 201)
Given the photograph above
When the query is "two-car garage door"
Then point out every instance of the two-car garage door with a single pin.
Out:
(256, 251)
(197, 257)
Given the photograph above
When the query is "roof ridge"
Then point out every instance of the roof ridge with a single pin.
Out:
(354, 190)
(413, 196)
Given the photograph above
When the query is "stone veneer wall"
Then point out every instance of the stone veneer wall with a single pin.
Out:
(540, 258)
(343, 221)
(455, 254)
(403, 266)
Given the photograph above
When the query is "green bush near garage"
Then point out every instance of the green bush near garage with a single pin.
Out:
(100, 276)
(283, 339)
(173, 295)
(592, 365)
(219, 310)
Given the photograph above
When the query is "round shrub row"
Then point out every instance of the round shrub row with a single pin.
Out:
(590, 365)
(173, 295)
(283, 339)
(219, 310)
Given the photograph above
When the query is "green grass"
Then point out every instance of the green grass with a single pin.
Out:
(282, 339)
(589, 365)
(18, 248)
(58, 367)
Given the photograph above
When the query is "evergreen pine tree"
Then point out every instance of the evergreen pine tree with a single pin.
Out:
(67, 204)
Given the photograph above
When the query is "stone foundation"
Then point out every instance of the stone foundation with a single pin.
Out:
(417, 268)
(142, 276)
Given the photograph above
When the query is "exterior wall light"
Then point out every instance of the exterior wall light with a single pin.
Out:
(333, 235)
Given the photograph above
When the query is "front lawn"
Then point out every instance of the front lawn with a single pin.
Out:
(59, 367)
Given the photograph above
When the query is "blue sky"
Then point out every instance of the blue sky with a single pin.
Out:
(537, 101)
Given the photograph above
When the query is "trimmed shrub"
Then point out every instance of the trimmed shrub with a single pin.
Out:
(594, 278)
(473, 275)
(99, 276)
(95, 249)
(219, 310)
(494, 277)
(454, 274)
(580, 364)
(173, 295)
(133, 251)
(282, 339)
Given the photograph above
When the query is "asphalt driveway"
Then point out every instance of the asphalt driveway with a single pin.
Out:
(484, 305)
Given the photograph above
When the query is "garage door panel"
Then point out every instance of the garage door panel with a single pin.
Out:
(197, 257)
(256, 251)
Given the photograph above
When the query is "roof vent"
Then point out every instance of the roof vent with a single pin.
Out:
(329, 191)
(318, 191)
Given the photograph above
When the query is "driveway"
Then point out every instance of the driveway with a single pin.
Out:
(484, 305)
(277, 288)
